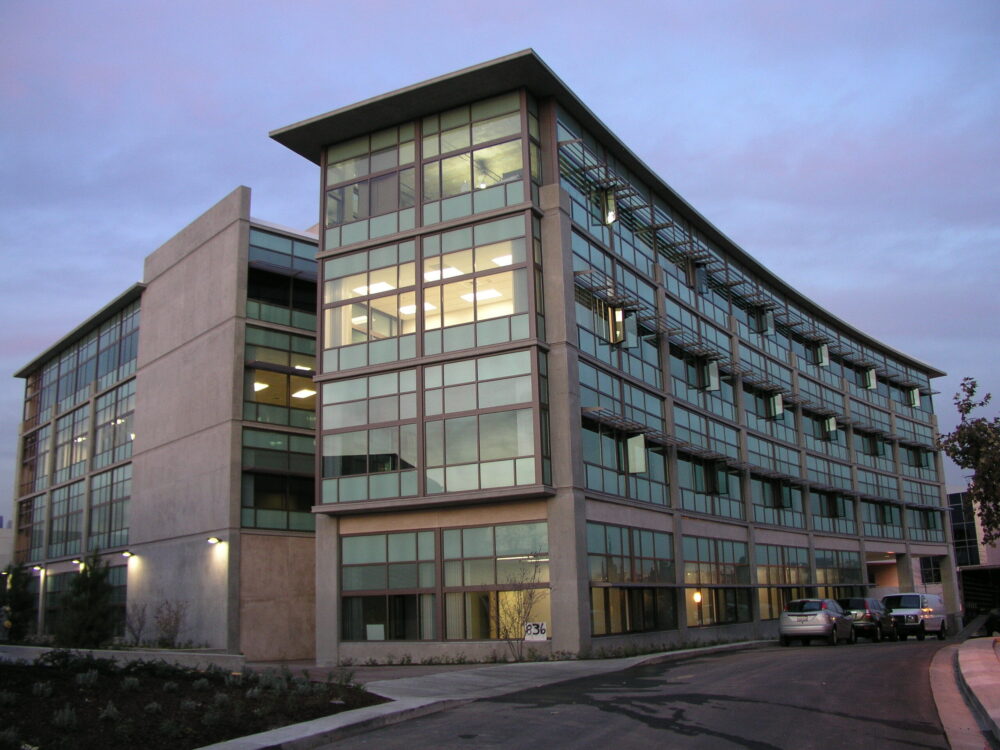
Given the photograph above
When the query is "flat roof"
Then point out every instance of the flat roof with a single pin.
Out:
(525, 69)
(123, 300)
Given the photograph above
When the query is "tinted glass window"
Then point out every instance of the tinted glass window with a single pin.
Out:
(805, 605)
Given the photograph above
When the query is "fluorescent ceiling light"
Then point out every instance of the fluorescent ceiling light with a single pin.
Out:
(410, 309)
(483, 295)
(304, 393)
(359, 319)
(307, 369)
(503, 260)
(447, 272)
(376, 288)
(260, 386)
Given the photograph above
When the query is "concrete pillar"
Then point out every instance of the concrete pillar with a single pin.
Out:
(327, 590)
(904, 572)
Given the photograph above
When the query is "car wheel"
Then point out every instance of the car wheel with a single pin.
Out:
(901, 635)
(784, 640)
(943, 632)
(877, 638)
(833, 636)
(921, 633)
(852, 638)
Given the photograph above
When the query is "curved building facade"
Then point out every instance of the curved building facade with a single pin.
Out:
(555, 400)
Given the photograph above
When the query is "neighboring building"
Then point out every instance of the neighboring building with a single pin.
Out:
(6, 543)
(978, 563)
(183, 411)
(552, 392)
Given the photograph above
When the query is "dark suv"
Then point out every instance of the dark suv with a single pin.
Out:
(871, 619)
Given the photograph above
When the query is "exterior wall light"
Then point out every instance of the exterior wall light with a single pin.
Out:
(77, 561)
(128, 553)
(38, 567)
(214, 540)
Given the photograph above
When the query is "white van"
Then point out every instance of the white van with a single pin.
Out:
(917, 614)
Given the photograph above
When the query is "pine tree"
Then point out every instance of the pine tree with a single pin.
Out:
(87, 618)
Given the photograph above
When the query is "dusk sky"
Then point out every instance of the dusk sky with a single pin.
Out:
(853, 147)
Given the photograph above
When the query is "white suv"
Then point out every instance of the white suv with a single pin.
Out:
(917, 614)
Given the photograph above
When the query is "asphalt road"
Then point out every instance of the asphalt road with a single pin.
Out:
(863, 696)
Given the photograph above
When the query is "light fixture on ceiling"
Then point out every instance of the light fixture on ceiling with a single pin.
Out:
(257, 386)
(485, 294)
(304, 393)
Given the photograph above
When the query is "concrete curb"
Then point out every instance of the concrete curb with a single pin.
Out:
(191, 659)
(979, 675)
(413, 697)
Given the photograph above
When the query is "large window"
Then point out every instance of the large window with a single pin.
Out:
(30, 544)
(838, 573)
(277, 298)
(72, 448)
(632, 579)
(717, 577)
(278, 486)
(776, 502)
(782, 574)
(624, 464)
(66, 523)
(709, 487)
(882, 520)
(370, 464)
(492, 579)
(832, 512)
(495, 579)
(114, 430)
(110, 493)
(370, 185)
(495, 449)
(35, 453)
(472, 160)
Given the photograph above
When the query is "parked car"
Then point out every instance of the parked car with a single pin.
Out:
(815, 618)
(870, 618)
(917, 614)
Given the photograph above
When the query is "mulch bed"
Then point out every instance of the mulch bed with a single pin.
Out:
(84, 703)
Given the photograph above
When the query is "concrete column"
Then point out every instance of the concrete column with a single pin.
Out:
(327, 590)
(568, 569)
(904, 572)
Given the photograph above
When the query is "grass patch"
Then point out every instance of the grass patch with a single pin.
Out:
(64, 700)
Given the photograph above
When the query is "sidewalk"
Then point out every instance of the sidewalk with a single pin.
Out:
(417, 690)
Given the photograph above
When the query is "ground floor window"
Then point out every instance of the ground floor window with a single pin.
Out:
(472, 583)
(492, 615)
(397, 617)
(639, 609)
(718, 606)
(772, 600)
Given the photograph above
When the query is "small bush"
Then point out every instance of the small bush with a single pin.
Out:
(7, 699)
(88, 678)
(200, 685)
(109, 713)
(170, 687)
(153, 708)
(64, 718)
(42, 689)
(130, 683)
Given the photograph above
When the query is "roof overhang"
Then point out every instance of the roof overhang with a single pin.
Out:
(123, 300)
(525, 69)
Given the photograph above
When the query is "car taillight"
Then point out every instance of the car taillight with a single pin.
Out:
(822, 605)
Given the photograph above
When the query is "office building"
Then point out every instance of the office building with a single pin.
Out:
(550, 399)
(554, 396)
(180, 413)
